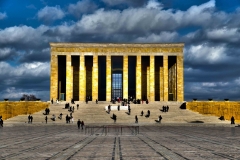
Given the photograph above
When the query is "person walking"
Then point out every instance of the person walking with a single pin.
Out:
(46, 118)
(232, 120)
(82, 124)
(159, 119)
(136, 119)
(78, 123)
(72, 120)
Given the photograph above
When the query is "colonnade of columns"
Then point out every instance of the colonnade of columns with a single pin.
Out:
(163, 77)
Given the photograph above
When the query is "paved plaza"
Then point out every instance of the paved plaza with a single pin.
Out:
(39, 141)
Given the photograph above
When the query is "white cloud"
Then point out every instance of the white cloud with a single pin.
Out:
(50, 14)
(5, 53)
(3, 15)
(208, 84)
(82, 7)
(147, 19)
(162, 37)
(207, 54)
(21, 36)
(34, 69)
(13, 93)
(225, 34)
(153, 4)
(237, 81)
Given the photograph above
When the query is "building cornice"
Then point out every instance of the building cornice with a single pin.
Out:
(117, 45)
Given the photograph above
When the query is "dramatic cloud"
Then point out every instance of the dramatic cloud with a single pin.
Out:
(3, 15)
(7, 54)
(50, 14)
(82, 7)
(30, 76)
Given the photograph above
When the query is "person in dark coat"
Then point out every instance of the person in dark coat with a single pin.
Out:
(136, 119)
(82, 124)
(78, 123)
(46, 118)
(232, 120)
(159, 119)
(1, 121)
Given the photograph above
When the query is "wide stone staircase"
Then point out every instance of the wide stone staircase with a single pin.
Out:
(95, 114)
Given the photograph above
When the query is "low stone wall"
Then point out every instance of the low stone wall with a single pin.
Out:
(10, 109)
(216, 108)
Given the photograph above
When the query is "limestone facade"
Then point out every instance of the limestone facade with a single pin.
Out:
(151, 65)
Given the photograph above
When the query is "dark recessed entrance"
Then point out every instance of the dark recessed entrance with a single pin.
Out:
(117, 85)
(117, 77)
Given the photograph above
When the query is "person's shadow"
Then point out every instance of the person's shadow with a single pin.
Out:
(161, 110)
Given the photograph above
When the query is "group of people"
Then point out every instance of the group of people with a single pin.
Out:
(30, 118)
(71, 109)
(165, 108)
(80, 124)
(69, 118)
(47, 111)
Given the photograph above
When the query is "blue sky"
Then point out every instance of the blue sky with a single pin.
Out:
(210, 30)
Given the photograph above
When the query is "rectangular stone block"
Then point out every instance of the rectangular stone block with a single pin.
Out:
(54, 77)
(82, 78)
(152, 79)
(95, 78)
(180, 79)
(138, 78)
(125, 76)
(161, 84)
(165, 78)
(108, 78)
(148, 84)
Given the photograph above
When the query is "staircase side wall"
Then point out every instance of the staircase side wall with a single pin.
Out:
(12, 109)
(216, 108)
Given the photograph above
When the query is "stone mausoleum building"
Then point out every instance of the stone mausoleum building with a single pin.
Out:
(108, 70)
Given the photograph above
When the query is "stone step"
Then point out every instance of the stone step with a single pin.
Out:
(96, 113)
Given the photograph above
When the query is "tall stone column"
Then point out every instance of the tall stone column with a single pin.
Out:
(139, 78)
(54, 77)
(161, 84)
(108, 78)
(165, 78)
(125, 76)
(148, 85)
(95, 78)
(180, 80)
(82, 79)
(69, 78)
(152, 79)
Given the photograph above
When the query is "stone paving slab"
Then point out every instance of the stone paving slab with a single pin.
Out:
(152, 142)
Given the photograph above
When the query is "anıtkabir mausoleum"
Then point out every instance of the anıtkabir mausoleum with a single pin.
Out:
(105, 71)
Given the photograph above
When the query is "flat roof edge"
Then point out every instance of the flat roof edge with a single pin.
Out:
(60, 44)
